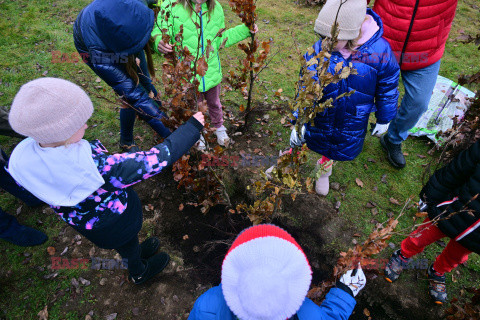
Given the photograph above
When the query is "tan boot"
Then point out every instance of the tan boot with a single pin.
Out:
(322, 185)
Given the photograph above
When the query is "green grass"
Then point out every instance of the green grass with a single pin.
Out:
(30, 31)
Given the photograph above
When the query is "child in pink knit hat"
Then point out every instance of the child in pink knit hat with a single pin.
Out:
(266, 275)
(88, 188)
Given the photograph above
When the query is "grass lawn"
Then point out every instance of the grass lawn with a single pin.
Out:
(30, 32)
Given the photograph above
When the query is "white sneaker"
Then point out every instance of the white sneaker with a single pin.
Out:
(322, 185)
(222, 137)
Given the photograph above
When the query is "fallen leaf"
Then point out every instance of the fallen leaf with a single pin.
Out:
(337, 205)
(98, 80)
(111, 316)
(394, 201)
(374, 211)
(356, 234)
(180, 207)
(43, 314)
(359, 182)
(185, 237)
(384, 178)
(64, 251)
(421, 156)
(371, 204)
(421, 214)
(51, 251)
(366, 312)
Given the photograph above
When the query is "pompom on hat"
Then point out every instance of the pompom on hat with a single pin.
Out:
(50, 110)
(265, 274)
(350, 18)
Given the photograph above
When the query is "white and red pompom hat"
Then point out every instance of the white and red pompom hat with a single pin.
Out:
(265, 274)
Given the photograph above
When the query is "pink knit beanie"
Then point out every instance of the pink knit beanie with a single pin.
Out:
(265, 274)
(50, 110)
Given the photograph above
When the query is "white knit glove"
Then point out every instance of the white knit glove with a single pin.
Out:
(380, 129)
(297, 140)
(355, 282)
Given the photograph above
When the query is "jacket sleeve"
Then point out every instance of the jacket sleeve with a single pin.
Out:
(386, 93)
(233, 35)
(125, 169)
(338, 305)
(443, 181)
(136, 95)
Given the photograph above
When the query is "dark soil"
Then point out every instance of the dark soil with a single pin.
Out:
(197, 244)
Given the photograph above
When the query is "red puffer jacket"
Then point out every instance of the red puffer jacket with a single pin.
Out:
(416, 29)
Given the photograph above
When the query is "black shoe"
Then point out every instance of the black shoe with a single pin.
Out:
(149, 247)
(129, 147)
(394, 152)
(153, 266)
(25, 236)
(437, 286)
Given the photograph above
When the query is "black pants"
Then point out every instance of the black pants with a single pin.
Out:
(122, 235)
(131, 252)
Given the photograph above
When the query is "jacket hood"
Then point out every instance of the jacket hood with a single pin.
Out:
(116, 26)
(379, 33)
(61, 176)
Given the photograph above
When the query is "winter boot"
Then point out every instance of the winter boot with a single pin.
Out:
(222, 137)
(23, 236)
(394, 152)
(149, 247)
(153, 266)
(322, 185)
(437, 286)
(395, 266)
(323, 170)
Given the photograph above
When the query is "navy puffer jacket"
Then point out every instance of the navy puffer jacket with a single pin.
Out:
(106, 32)
(339, 132)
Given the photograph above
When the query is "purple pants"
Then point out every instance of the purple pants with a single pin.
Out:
(214, 105)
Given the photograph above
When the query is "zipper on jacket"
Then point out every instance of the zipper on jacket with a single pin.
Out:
(408, 32)
(203, 50)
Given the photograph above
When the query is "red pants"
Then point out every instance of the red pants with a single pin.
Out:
(453, 254)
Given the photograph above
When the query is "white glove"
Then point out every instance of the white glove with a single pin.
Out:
(356, 282)
(297, 140)
(380, 129)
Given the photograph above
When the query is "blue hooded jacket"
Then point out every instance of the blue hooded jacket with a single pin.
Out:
(107, 31)
(338, 305)
(339, 132)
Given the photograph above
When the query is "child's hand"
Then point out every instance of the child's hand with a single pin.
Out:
(164, 47)
(255, 29)
(200, 118)
(380, 129)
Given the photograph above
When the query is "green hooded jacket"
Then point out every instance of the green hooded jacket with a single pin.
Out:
(210, 24)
